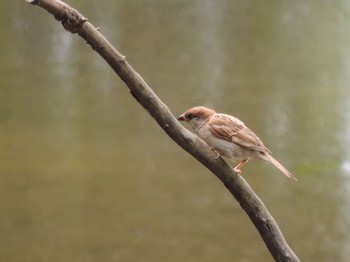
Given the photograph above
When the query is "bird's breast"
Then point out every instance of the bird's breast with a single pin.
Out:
(224, 147)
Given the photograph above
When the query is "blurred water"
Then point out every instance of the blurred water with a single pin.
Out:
(86, 174)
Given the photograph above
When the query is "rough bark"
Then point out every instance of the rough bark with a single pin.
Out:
(74, 22)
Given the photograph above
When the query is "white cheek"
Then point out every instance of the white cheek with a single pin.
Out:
(195, 123)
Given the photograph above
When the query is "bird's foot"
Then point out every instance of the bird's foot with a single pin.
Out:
(237, 168)
(237, 171)
(217, 154)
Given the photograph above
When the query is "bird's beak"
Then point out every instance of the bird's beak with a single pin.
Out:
(181, 118)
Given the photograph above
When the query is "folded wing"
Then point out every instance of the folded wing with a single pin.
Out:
(234, 130)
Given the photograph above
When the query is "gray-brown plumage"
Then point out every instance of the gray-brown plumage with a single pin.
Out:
(229, 137)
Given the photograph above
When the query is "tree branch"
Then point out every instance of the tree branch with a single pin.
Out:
(74, 22)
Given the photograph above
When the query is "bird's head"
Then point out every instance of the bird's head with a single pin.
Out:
(196, 116)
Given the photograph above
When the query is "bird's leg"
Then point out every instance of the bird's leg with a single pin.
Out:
(216, 152)
(237, 168)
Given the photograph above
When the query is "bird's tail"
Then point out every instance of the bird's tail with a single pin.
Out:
(277, 164)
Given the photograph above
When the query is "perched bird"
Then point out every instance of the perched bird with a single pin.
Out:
(229, 137)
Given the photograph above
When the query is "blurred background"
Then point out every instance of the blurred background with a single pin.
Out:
(87, 175)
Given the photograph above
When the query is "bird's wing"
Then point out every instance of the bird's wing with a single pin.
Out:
(232, 129)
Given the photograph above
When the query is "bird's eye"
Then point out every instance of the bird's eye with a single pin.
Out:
(190, 116)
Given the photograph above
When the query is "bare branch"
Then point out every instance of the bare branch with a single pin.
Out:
(74, 22)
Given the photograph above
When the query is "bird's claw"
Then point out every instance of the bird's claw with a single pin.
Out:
(237, 171)
(217, 154)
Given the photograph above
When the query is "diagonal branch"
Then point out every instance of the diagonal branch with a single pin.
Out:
(74, 22)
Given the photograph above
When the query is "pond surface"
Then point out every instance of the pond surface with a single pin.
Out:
(87, 175)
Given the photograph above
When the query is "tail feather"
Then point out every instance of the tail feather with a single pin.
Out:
(277, 164)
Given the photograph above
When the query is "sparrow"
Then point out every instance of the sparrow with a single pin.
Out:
(229, 137)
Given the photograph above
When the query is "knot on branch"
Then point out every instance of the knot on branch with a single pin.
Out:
(71, 20)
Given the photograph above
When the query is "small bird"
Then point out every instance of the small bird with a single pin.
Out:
(229, 137)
